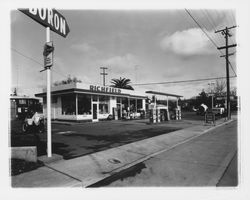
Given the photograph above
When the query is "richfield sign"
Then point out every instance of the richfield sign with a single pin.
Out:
(104, 89)
(49, 18)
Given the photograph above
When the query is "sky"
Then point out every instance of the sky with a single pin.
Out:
(146, 46)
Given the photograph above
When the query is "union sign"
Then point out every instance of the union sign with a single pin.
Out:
(48, 54)
(49, 18)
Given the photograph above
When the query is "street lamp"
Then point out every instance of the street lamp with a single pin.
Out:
(211, 92)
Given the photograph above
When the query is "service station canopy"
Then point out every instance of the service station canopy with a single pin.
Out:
(163, 94)
(49, 18)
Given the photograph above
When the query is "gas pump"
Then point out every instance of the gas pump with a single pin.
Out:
(115, 114)
(178, 113)
(152, 111)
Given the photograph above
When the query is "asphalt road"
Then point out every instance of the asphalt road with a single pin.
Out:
(190, 164)
(78, 139)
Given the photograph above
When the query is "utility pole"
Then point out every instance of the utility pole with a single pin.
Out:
(226, 34)
(104, 74)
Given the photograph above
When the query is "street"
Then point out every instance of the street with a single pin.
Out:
(77, 139)
(190, 164)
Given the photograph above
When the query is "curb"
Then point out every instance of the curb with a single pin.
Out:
(220, 171)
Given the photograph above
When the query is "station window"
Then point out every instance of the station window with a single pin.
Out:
(103, 108)
(54, 100)
(69, 104)
(103, 105)
(84, 104)
(139, 103)
(94, 98)
(119, 100)
(22, 101)
(132, 105)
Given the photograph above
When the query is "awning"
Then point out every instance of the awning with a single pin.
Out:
(164, 94)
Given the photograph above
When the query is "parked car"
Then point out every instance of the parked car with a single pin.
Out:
(33, 123)
(218, 111)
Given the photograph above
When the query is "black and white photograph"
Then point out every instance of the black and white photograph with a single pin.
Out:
(125, 98)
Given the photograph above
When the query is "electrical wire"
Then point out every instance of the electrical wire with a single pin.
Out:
(184, 81)
(201, 28)
(207, 21)
(18, 52)
(208, 36)
(210, 19)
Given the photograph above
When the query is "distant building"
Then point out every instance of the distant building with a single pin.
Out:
(19, 106)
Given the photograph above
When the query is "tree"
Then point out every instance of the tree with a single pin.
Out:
(67, 81)
(122, 83)
(202, 98)
(219, 88)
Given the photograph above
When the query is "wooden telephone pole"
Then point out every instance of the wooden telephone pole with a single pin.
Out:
(226, 34)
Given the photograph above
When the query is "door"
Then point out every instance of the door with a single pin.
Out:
(119, 113)
(95, 111)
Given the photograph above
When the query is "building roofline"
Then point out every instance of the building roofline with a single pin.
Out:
(23, 97)
(84, 91)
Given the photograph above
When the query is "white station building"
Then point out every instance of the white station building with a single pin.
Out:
(81, 102)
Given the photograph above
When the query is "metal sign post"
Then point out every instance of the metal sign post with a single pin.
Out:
(49, 144)
(52, 20)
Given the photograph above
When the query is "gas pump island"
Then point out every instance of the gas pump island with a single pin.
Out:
(160, 112)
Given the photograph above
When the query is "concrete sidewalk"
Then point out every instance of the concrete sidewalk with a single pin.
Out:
(90, 169)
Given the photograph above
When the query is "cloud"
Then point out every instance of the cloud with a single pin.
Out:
(187, 42)
(85, 48)
(121, 64)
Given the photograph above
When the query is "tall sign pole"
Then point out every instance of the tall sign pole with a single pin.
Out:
(226, 33)
(104, 74)
(54, 21)
(49, 142)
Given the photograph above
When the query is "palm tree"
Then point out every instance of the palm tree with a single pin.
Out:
(122, 83)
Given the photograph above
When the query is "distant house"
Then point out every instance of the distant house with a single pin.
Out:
(19, 106)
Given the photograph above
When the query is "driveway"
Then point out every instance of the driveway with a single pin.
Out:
(77, 139)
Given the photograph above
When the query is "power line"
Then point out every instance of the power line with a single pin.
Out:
(201, 28)
(18, 52)
(207, 36)
(232, 14)
(206, 18)
(232, 67)
(183, 81)
(210, 19)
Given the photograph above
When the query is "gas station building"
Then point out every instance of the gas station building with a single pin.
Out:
(82, 102)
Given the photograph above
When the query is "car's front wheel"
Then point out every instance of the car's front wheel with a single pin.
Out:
(25, 127)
